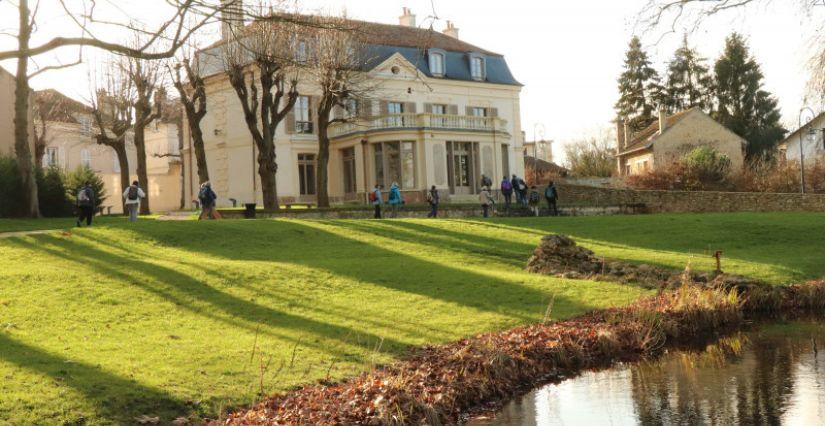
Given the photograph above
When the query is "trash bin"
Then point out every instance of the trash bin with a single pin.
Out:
(249, 213)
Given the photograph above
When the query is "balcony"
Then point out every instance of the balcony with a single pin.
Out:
(409, 121)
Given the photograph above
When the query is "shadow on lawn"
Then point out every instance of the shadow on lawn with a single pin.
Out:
(95, 384)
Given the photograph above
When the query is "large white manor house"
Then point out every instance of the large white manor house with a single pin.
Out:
(445, 113)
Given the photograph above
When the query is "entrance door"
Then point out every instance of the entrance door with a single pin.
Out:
(462, 164)
(349, 172)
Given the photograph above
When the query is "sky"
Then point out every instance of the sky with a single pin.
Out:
(568, 54)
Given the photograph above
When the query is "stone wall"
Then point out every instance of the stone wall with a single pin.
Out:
(685, 201)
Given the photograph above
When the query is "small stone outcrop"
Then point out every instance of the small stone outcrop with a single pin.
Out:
(560, 256)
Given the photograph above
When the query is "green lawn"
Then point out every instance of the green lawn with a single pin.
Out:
(170, 318)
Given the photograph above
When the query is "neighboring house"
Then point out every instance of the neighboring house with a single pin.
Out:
(7, 86)
(544, 150)
(669, 139)
(446, 113)
(813, 139)
(70, 143)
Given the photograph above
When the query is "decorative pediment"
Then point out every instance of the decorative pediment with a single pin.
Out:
(396, 67)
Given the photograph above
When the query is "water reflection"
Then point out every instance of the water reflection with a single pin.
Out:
(774, 375)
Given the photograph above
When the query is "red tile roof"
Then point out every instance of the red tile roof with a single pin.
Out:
(645, 138)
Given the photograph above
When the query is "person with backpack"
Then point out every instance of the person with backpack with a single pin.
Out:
(486, 181)
(433, 199)
(533, 200)
(551, 195)
(395, 200)
(207, 198)
(132, 195)
(85, 204)
(486, 200)
(507, 192)
(375, 200)
(521, 186)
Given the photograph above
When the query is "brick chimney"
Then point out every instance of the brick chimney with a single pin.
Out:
(620, 134)
(451, 30)
(662, 120)
(232, 19)
(407, 19)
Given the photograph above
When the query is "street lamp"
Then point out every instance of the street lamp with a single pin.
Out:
(538, 131)
(802, 142)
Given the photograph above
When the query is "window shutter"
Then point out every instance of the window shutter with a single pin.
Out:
(290, 122)
(492, 112)
(409, 107)
(383, 108)
(452, 109)
(428, 108)
(468, 110)
(364, 107)
(313, 114)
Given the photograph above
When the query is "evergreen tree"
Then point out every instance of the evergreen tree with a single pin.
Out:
(689, 83)
(639, 88)
(742, 105)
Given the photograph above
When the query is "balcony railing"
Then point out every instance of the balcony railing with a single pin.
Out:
(420, 121)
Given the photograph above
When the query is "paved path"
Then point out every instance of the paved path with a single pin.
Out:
(25, 233)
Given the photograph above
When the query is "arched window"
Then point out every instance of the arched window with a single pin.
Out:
(86, 158)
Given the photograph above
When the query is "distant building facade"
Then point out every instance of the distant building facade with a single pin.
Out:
(446, 113)
(7, 96)
(70, 143)
(812, 138)
(669, 139)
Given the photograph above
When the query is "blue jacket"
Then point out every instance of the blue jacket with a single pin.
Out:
(395, 195)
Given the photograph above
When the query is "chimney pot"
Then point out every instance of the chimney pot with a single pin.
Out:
(662, 120)
(407, 18)
(451, 30)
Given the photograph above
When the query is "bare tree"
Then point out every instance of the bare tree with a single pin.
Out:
(42, 111)
(192, 95)
(161, 42)
(113, 109)
(264, 54)
(669, 15)
(149, 97)
(336, 63)
(592, 157)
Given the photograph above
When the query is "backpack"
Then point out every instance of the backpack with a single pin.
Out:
(373, 197)
(133, 193)
(203, 195)
(550, 192)
(429, 197)
(506, 185)
(83, 196)
(521, 185)
(534, 197)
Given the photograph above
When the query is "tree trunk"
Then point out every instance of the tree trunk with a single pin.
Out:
(123, 161)
(21, 118)
(267, 169)
(200, 151)
(143, 178)
(322, 168)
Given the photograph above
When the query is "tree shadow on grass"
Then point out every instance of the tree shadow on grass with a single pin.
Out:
(103, 389)
(201, 299)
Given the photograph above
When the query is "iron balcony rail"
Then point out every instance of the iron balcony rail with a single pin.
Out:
(420, 121)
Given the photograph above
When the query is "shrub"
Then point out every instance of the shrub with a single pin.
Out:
(11, 189)
(703, 169)
(781, 177)
(76, 179)
(707, 165)
(51, 193)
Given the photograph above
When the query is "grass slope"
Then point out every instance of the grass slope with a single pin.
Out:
(170, 318)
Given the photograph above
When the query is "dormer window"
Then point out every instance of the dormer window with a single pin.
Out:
(477, 68)
(437, 64)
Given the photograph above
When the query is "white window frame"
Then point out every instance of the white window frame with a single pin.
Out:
(478, 68)
(303, 116)
(396, 108)
(85, 125)
(302, 52)
(52, 157)
(437, 64)
(478, 111)
(86, 158)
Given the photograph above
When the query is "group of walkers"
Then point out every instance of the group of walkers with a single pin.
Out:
(86, 202)
(525, 197)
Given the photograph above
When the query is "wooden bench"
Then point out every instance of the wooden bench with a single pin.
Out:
(308, 205)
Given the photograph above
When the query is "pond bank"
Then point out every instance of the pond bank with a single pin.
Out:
(441, 384)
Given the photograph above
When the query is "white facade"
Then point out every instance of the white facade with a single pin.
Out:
(812, 142)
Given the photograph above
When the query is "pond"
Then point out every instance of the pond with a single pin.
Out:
(774, 374)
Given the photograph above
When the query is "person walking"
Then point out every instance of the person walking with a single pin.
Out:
(375, 199)
(132, 195)
(551, 194)
(533, 200)
(207, 198)
(486, 200)
(433, 199)
(85, 204)
(514, 184)
(395, 200)
(507, 192)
